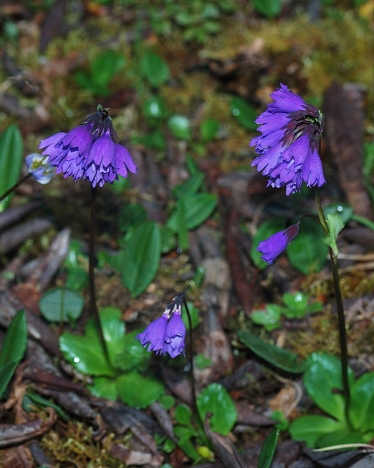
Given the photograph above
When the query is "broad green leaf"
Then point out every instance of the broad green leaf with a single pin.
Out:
(243, 113)
(310, 428)
(6, 373)
(269, 8)
(141, 257)
(114, 332)
(77, 279)
(269, 318)
(308, 251)
(268, 449)
(323, 382)
(61, 304)
(133, 354)
(183, 415)
(362, 403)
(192, 185)
(180, 127)
(139, 391)
(340, 437)
(267, 229)
(167, 239)
(85, 353)
(278, 357)
(104, 387)
(345, 212)
(154, 68)
(11, 159)
(198, 208)
(209, 129)
(15, 342)
(216, 401)
(178, 224)
(105, 66)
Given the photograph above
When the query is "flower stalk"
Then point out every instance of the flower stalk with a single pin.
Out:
(91, 278)
(341, 318)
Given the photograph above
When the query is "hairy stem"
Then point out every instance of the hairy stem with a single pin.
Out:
(91, 271)
(341, 319)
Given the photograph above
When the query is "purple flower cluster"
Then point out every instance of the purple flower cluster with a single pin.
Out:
(90, 151)
(289, 142)
(167, 333)
(272, 247)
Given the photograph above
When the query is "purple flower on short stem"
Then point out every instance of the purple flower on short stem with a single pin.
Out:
(90, 151)
(167, 333)
(288, 147)
(272, 247)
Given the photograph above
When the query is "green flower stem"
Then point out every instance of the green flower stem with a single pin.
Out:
(341, 319)
(12, 189)
(91, 278)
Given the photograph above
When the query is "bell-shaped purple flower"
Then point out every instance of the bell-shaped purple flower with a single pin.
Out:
(175, 335)
(154, 334)
(272, 247)
(289, 142)
(90, 151)
(167, 333)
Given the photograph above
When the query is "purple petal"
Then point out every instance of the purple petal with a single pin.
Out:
(154, 334)
(175, 335)
(272, 247)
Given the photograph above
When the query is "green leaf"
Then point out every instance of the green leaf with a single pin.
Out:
(6, 373)
(269, 318)
(335, 225)
(36, 399)
(267, 229)
(154, 68)
(198, 207)
(85, 353)
(216, 401)
(362, 403)
(243, 113)
(192, 185)
(15, 342)
(133, 354)
(323, 382)
(268, 449)
(114, 332)
(131, 216)
(345, 212)
(104, 387)
(180, 127)
(308, 251)
(11, 159)
(61, 304)
(155, 108)
(278, 357)
(209, 129)
(183, 415)
(105, 66)
(141, 257)
(310, 428)
(139, 391)
(269, 8)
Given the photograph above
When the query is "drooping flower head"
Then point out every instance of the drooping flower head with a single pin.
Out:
(90, 151)
(289, 142)
(167, 333)
(272, 247)
(39, 167)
